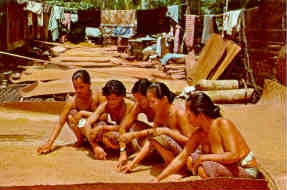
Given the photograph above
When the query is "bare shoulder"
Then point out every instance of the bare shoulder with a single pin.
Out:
(130, 104)
(223, 124)
(97, 95)
(179, 108)
(135, 108)
(70, 101)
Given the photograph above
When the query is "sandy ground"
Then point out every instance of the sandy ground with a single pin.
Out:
(21, 132)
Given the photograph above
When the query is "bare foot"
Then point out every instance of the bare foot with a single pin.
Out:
(99, 153)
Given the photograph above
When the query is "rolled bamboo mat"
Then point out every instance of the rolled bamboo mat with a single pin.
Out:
(205, 84)
(230, 96)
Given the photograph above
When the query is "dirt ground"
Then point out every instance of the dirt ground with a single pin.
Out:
(22, 131)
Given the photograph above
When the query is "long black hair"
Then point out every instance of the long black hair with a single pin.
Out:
(199, 102)
(82, 74)
(114, 87)
(161, 90)
(141, 86)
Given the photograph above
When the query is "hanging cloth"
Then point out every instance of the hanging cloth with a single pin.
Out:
(36, 8)
(177, 39)
(189, 30)
(67, 21)
(22, 1)
(173, 12)
(208, 28)
(231, 21)
(57, 14)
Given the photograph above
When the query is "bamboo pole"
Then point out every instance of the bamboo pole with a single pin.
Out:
(24, 57)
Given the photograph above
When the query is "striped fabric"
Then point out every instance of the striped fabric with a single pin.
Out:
(189, 30)
(176, 48)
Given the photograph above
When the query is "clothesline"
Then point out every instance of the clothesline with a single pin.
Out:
(68, 8)
(222, 14)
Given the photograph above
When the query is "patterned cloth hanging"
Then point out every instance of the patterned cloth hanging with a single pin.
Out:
(118, 17)
(189, 30)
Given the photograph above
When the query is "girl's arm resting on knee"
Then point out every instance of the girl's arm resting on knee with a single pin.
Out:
(96, 114)
(175, 134)
(179, 161)
(111, 127)
(85, 113)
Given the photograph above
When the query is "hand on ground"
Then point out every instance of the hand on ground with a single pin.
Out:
(122, 161)
(44, 149)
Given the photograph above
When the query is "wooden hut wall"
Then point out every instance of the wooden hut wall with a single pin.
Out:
(2, 26)
(14, 25)
(266, 34)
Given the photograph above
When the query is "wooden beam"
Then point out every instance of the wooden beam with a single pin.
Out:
(24, 57)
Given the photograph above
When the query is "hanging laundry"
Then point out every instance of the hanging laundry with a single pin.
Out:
(93, 32)
(46, 16)
(107, 30)
(118, 17)
(74, 17)
(173, 12)
(57, 15)
(36, 8)
(208, 28)
(22, 1)
(231, 21)
(123, 31)
(47, 8)
(30, 18)
(67, 21)
(189, 31)
(177, 39)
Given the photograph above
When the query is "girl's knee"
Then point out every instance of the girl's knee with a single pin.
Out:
(71, 121)
(201, 172)
(189, 164)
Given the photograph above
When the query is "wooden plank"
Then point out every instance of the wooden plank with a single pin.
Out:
(23, 57)
(111, 72)
(86, 64)
(43, 75)
(209, 56)
(82, 59)
(66, 86)
(232, 49)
